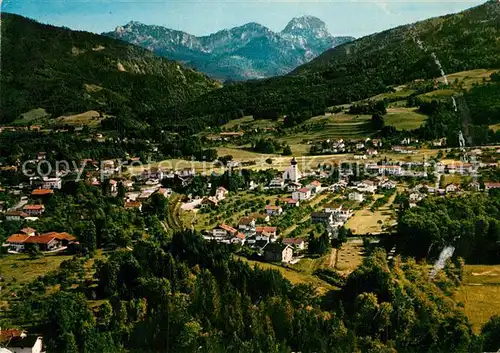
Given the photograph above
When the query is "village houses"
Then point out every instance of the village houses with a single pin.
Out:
(297, 243)
(275, 252)
(274, 210)
(34, 210)
(302, 194)
(356, 196)
(221, 193)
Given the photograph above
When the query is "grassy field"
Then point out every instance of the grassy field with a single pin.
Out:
(247, 122)
(350, 256)
(325, 127)
(479, 293)
(400, 92)
(455, 179)
(468, 78)
(439, 94)
(309, 264)
(365, 221)
(293, 275)
(404, 118)
(34, 116)
(21, 269)
(18, 270)
(91, 118)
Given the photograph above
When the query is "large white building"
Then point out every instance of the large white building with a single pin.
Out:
(292, 173)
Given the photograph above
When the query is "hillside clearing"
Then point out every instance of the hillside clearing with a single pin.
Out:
(17, 270)
(90, 118)
(294, 276)
(404, 118)
(248, 122)
(38, 115)
(468, 78)
(350, 256)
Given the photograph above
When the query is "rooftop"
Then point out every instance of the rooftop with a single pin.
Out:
(228, 228)
(295, 241)
(266, 229)
(42, 192)
(34, 207)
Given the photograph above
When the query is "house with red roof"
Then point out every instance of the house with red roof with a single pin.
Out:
(274, 210)
(291, 202)
(297, 243)
(489, 186)
(16, 242)
(209, 202)
(314, 186)
(52, 241)
(42, 192)
(302, 194)
(266, 230)
(133, 205)
(34, 210)
(15, 215)
(239, 238)
(223, 231)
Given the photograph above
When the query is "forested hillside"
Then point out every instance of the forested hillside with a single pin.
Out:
(362, 69)
(189, 295)
(66, 71)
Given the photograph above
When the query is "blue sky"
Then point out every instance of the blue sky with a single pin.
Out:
(199, 17)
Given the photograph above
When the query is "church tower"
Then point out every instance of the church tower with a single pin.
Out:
(292, 173)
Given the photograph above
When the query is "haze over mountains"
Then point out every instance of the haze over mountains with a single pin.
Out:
(247, 52)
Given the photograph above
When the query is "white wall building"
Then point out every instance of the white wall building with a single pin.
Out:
(302, 194)
(356, 196)
(292, 173)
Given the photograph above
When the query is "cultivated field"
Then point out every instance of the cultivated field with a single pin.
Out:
(402, 92)
(326, 127)
(248, 122)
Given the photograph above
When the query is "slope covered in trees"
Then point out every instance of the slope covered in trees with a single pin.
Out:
(188, 295)
(67, 71)
(471, 224)
(361, 69)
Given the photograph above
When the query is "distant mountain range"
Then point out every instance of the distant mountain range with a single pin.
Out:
(360, 69)
(250, 51)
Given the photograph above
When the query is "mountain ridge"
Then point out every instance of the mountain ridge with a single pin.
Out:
(363, 68)
(65, 71)
(219, 54)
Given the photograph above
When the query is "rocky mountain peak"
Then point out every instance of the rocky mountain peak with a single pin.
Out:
(244, 52)
(306, 24)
